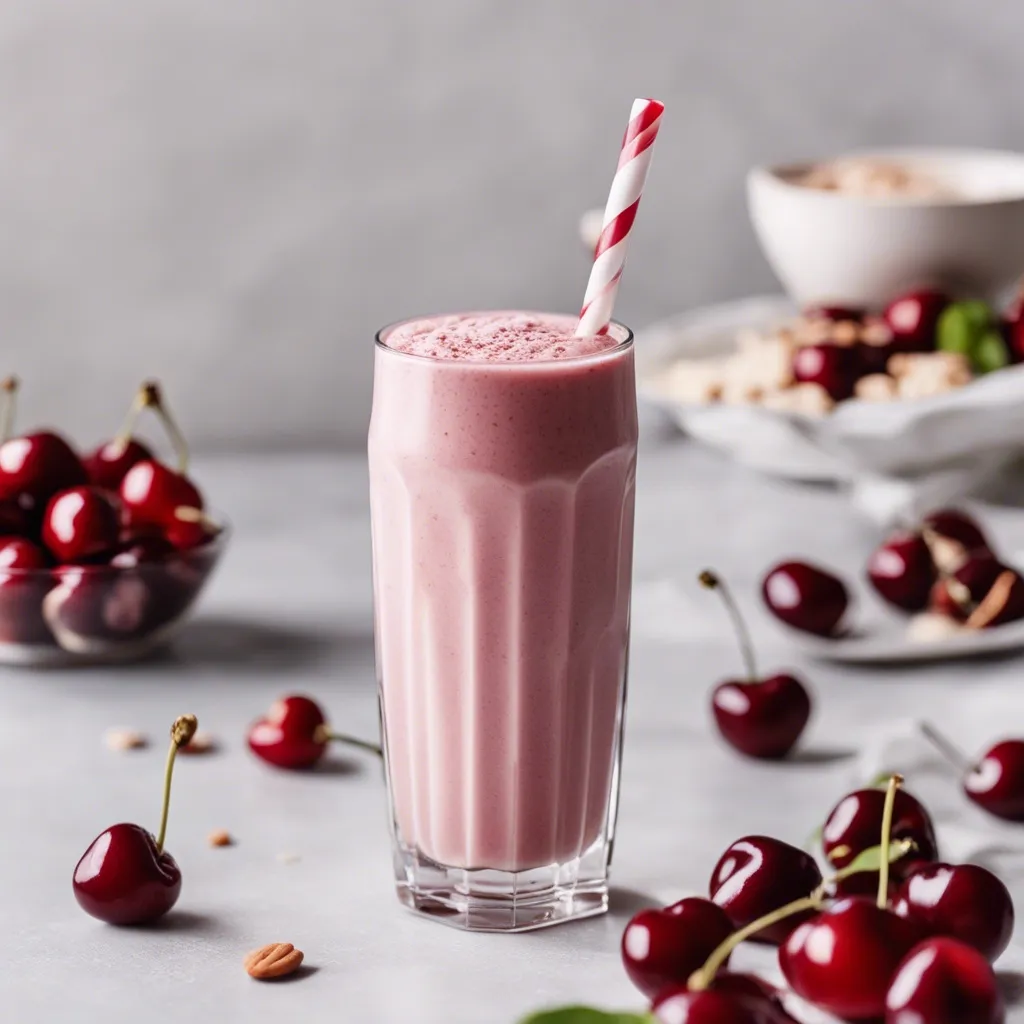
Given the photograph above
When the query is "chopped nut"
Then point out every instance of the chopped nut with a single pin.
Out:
(807, 398)
(930, 626)
(846, 333)
(221, 837)
(812, 330)
(125, 739)
(201, 743)
(273, 961)
(695, 380)
(876, 387)
(875, 332)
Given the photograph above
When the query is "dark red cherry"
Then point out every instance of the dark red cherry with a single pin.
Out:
(190, 529)
(763, 718)
(22, 592)
(942, 981)
(805, 597)
(961, 901)
(664, 947)
(108, 464)
(752, 989)
(82, 524)
(832, 367)
(37, 466)
(153, 493)
(15, 521)
(294, 733)
(757, 875)
(843, 959)
(126, 876)
(142, 550)
(835, 313)
(19, 553)
(123, 878)
(996, 782)
(855, 824)
(953, 535)
(759, 717)
(680, 1006)
(902, 572)
(913, 318)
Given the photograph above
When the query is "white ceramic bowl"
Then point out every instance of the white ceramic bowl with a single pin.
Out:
(855, 250)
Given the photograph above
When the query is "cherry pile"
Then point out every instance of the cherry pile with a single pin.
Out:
(920, 950)
(80, 521)
(945, 565)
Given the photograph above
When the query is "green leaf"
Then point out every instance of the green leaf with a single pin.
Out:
(871, 858)
(586, 1015)
(962, 326)
(990, 353)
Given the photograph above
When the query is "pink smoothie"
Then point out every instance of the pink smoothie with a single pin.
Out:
(502, 465)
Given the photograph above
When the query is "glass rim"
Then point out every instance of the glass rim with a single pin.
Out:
(621, 346)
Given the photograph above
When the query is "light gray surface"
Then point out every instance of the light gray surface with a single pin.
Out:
(233, 195)
(291, 611)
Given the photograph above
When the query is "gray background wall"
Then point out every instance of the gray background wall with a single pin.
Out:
(232, 194)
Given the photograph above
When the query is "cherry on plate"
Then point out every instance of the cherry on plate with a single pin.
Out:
(914, 317)
(805, 597)
(902, 572)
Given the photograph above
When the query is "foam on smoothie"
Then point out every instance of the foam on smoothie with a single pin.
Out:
(496, 338)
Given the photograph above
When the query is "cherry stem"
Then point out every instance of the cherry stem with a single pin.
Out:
(149, 396)
(9, 386)
(950, 751)
(702, 977)
(182, 731)
(708, 579)
(353, 741)
(883, 869)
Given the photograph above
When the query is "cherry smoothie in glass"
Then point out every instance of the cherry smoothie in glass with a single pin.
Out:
(502, 470)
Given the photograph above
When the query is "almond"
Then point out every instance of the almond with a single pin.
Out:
(125, 739)
(273, 961)
(201, 743)
(993, 603)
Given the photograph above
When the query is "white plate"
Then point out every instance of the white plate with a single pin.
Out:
(963, 435)
(885, 641)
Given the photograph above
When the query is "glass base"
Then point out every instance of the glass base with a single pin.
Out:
(488, 900)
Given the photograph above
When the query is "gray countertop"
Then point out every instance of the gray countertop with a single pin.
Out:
(290, 611)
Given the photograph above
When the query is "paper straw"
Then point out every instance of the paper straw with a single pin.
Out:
(619, 214)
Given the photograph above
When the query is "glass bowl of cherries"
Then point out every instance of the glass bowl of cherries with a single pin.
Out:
(101, 556)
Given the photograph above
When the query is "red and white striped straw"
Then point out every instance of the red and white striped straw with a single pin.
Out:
(619, 214)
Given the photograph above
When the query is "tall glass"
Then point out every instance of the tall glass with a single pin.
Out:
(502, 507)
